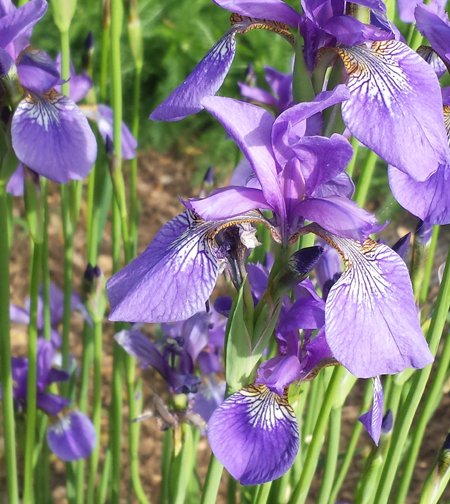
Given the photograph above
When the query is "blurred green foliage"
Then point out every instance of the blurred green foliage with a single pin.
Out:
(176, 35)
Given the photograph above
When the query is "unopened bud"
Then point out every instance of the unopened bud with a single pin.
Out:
(297, 269)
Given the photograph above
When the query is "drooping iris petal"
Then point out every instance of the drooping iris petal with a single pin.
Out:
(254, 434)
(395, 107)
(171, 280)
(363, 328)
(429, 200)
(72, 437)
(373, 419)
(51, 135)
(205, 80)
(174, 277)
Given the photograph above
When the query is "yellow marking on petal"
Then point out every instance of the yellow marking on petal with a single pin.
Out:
(243, 24)
(447, 120)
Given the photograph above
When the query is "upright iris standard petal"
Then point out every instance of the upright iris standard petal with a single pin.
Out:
(251, 128)
(433, 24)
(363, 327)
(51, 135)
(72, 437)
(254, 434)
(395, 107)
(18, 23)
(373, 419)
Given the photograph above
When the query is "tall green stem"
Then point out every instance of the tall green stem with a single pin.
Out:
(365, 179)
(97, 409)
(28, 497)
(5, 356)
(301, 490)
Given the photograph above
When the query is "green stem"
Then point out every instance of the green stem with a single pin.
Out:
(301, 490)
(262, 493)
(165, 466)
(351, 166)
(28, 497)
(432, 400)
(212, 481)
(5, 356)
(105, 478)
(365, 179)
(416, 391)
(357, 428)
(97, 409)
(45, 262)
(331, 456)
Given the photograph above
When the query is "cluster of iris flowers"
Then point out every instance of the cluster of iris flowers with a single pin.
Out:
(359, 79)
(292, 180)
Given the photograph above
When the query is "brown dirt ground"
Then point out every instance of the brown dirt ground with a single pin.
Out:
(161, 180)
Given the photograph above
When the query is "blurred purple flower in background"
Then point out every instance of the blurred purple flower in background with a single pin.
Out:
(72, 436)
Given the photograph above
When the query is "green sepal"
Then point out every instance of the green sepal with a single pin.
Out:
(238, 354)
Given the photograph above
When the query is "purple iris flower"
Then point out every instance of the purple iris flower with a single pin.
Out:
(173, 356)
(300, 177)
(386, 79)
(258, 419)
(22, 315)
(63, 145)
(71, 436)
(281, 85)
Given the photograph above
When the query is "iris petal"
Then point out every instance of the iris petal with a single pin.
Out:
(395, 107)
(72, 437)
(205, 80)
(362, 325)
(51, 135)
(373, 419)
(254, 434)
